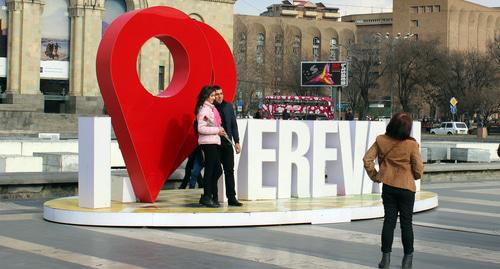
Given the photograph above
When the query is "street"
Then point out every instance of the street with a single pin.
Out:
(463, 232)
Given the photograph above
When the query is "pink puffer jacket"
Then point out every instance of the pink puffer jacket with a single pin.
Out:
(208, 131)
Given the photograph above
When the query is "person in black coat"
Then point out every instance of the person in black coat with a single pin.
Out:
(227, 154)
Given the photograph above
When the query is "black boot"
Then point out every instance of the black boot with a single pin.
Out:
(385, 261)
(407, 261)
(207, 201)
(215, 199)
(183, 185)
(234, 202)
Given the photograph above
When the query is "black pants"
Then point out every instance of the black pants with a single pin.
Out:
(227, 160)
(396, 201)
(212, 169)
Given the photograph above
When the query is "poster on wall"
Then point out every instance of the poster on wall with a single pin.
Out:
(112, 9)
(3, 38)
(54, 58)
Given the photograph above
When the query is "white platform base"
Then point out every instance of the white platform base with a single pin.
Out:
(179, 208)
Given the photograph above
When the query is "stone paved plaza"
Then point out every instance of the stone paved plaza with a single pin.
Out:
(463, 232)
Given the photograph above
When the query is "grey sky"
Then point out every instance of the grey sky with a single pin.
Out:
(255, 7)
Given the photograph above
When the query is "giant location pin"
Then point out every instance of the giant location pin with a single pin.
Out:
(155, 133)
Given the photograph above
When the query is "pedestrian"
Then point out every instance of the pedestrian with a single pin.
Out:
(400, 165)
(192, 172)
(227, 154)
(209, 126)
(286, 115)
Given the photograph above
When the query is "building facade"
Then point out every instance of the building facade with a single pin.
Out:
(368, 25)
(268, 52)
(457, 24)
(48, 50)
(302, 10)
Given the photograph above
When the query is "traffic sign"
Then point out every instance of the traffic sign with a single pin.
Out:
(453, 109)
(453, 101)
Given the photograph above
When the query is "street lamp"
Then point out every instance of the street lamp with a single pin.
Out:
(336, 46)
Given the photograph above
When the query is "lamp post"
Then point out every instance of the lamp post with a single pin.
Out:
(348, 60)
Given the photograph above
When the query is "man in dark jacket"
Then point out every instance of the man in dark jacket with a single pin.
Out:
(229, 124)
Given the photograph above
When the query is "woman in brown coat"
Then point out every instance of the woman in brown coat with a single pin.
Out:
(400, 165)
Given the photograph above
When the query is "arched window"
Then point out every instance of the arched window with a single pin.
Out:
(112, 9)
(334, 49)
(316, 48)
(261, 40)
(296, 45)
(278, 49)
(242, 48)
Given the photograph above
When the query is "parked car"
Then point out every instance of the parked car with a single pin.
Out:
(450, 128)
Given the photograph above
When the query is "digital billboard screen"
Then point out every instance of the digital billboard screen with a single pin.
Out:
(333, 74)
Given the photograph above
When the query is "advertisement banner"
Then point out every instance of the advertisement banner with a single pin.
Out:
(3, 38)
(317, 74)
(54, 58)
(54, 69)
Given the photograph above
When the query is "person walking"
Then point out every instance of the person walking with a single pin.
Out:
(400, 164)
(227, 154)
(192, 172)
(209, 126)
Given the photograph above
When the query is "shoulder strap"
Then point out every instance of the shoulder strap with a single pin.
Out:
(382, 157)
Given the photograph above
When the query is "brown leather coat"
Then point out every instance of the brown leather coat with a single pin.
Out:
(400, 162)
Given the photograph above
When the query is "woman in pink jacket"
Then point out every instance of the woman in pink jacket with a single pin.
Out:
(209, 133)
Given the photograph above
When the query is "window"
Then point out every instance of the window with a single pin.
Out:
(421, 9)
(437, 9)
(416, 36)
(316, 48)
(161, 78)
(428, 9)
(242, 48)
(449, 125)
(414, 10)
(296, 46)
(278, 46)
(414, 23)
(278, 53)
(460, 125)
(261, 39)
(333, 49)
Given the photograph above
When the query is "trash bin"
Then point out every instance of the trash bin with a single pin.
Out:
(482, 132)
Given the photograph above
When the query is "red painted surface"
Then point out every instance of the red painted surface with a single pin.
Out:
(155, 133)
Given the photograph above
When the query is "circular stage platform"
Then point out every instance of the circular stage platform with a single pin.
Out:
(180, 208)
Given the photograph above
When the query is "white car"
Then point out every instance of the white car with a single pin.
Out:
(450, 128)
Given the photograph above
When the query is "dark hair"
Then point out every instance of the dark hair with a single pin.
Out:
(202, 97)
(498, 150)
(216, 87)
(400, 126)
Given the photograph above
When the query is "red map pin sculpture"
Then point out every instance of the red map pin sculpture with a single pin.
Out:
(155, 133)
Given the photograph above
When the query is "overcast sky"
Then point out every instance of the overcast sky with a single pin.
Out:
(255, 7)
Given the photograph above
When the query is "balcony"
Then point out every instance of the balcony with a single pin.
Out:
(311, 14)
(286, 12)
(331, 15)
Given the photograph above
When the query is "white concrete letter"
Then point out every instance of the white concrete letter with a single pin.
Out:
(324, 151)
(251, 182)
(292, 152)
(94, 150)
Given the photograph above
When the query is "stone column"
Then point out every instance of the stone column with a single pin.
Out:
(86, 31)
(24, 45)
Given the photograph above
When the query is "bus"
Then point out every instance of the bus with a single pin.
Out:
(299, 107)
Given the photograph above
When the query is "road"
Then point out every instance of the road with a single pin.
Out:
(464, 232)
